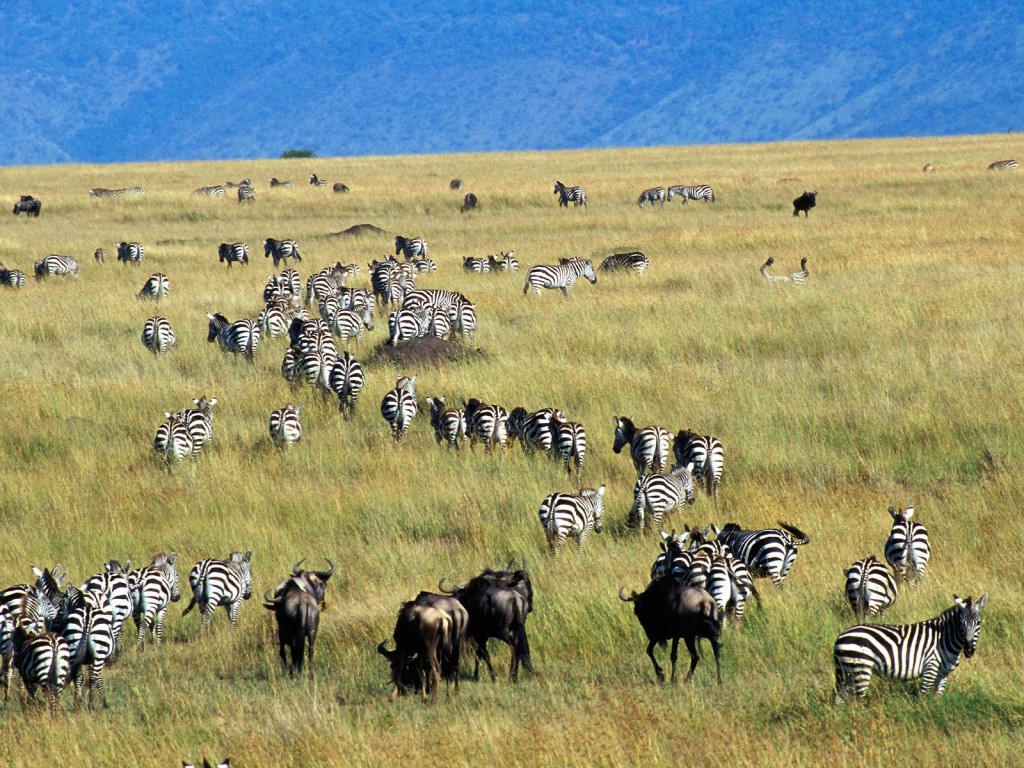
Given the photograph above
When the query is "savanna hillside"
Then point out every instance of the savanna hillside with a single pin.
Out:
(891, 377)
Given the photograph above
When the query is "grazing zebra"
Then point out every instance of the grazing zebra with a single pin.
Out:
(349, 323)
(89, 633)
(566, 195)
(246, 194)
(157, 335)
(698, 192)
(56, 265)
(281, 250)
(424, 265)
(399, 406)
(130, 253)
(570, 445)
(153, 589)
(113, 583)
(625, 262)
(290, 282)
(706, 454)
(506, 262)
(315, 181)
(658, 493)
(156, 287)
(468, 203)
(220, 582)
(456, 184)
(241, 336)
(199, 421)
(485, 423)
(173, 440)
(1004, 165)
(652, 196)
(215, 191)
(449, 423)
(11, 278)
(563, 276)
(346, 381)
(285, 425)
(242, 183)
(405, 324)
(907, 550)
(533, 429)
(564, 515)
(273, 321)
(870, 587)
(44, 661)
(648, 446)
(100, 255)
(410, 247)
(929, 650)
(275, 183)
(233, 253)
(768, 553)
(796, 277)
(130, 191)
(476, 264)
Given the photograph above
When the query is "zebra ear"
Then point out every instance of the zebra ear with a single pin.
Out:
(958, 601)
(893, 513)
(981, 601)
(173, 558)
(248, 555)
(209, 315)
(908, 513)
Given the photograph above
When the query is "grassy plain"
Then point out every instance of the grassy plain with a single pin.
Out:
(892, 377)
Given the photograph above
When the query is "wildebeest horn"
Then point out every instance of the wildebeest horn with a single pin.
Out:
(295, 568)
(626, 599)
(510, 565)
(383, 651)
(325, 575)
(452, 591)
(272, 600)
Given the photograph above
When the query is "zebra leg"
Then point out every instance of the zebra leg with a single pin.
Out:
(207, 613)
(233, 615)
(77, 683)
(96, 681)
(159, 629)
(143, 624)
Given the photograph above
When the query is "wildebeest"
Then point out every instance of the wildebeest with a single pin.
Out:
(339, 187)
(498, 603)
(804, 203)
(297, 603)
(28, 205)
(469, 203)
(668, 610)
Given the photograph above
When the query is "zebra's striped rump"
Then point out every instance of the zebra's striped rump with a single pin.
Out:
(220, 583)
(156, 287)
(563, 515)
(449, 423)
(648, 446)
(241, 336)
(233, 253)
(399, 406)
(907, 549)
(626, 262)
(768, 553)
(157, 335)
(346, 381)
(286, 426)
(658, 493)
(870, 587)
(153, 589)
(55, 264)
(130, 253)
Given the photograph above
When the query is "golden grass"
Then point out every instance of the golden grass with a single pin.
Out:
(891, 377)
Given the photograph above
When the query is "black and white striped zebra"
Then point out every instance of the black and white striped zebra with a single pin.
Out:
(569, 443)
(410, 247)
(291, 283)
(730, 584)
(239, 337)
(564, 514)
(130, 253)
(246, 194)
(100, 255)
(220, 583)
(281, 250)
(399, 406)
(113, 584)
(156, 287)
(406, 324)
(768, 553)
(534, 430)
(213, 191)
(652, 196)
(314, 367)
(907, 549)
(870, 587)
(504, 262)
(89, 633)
(275, 182)
(476, 264)
(350, 323)
(123, 191)
(389, 282)
(273, 320)
(55, 264)
(456, 184)
(346, 381)
(485, 423)
(173, 440)
(697, 192)
(233, 253)
(648, 446)
(798, 278)
(563, 276)
(242, 183)
(1004, 165)
(929, 650)
(439, 325)
(11, 278)
(199, 421)
(706, 454)
(154, 588)
(449, 423)
(424, 265)
(658, 493)
(44, 662)
(566, 195)
(157, 335)
(286, 425)
(316, 181)
(626, 262)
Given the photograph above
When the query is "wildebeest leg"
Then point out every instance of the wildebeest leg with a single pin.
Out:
(716, 647)
(310, 639)
(691, 646)
(675, 654)
(524, 650)
(654, 661)
(481, 653)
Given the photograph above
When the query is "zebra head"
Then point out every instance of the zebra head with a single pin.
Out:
(166, 565)
(217, 323)
(596, 498)
(968, 623)
(624, 430)
(243, 564)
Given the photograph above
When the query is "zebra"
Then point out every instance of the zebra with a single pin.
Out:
(130, 191)
(410, 247)
(156, 287)
(533, 429)
(220, 582)
(399, 406)
(506, 262)
(153, 588)
(660, 492)
(130, 253)
(563, 515)
(424, 265)
(273, 321)
(285, 425)
(729, 583)
(796, 277)
(870, 587)
(89, 633)
(1004, 165)
(768, 553)
(461, 318)
(389, 283)
(439, 324)
(281, 250)
(233, 252)
(241, 336)
(346, 381)
(242, 183)
(648, 446)
(349, 323)
(55, 264)
(566, 195)
(476, 264)
(113, 583)
(173, 440)
(569, 444)
(698, 192)
(485, 423)
(157, 335)
(562, 276)
(43, 660)
(315, 367)
(929, 650)
(315, 181)
(449, 423)
(290, 281)
(214, 191)
(199, 421)
(100, 254)
(652, 196)
(624, 262)
(706, 454)
(11, 278)
(405, 324)
(456, 184)
(907, 549)
(246, 194)
(274, 182)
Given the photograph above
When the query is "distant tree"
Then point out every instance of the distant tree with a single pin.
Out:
(298, 153)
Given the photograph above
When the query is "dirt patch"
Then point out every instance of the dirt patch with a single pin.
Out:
(427, 351)
(360, 229)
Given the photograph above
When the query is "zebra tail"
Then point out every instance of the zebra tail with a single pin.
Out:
(190, 606)
(526, 288)
(802, 538)
(862, 598)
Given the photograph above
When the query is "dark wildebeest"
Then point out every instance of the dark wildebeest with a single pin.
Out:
(804, 203)
(28, 205)
(669, 610)
(339, 187)
(297, 603)
(469, 203)
(498, 603)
